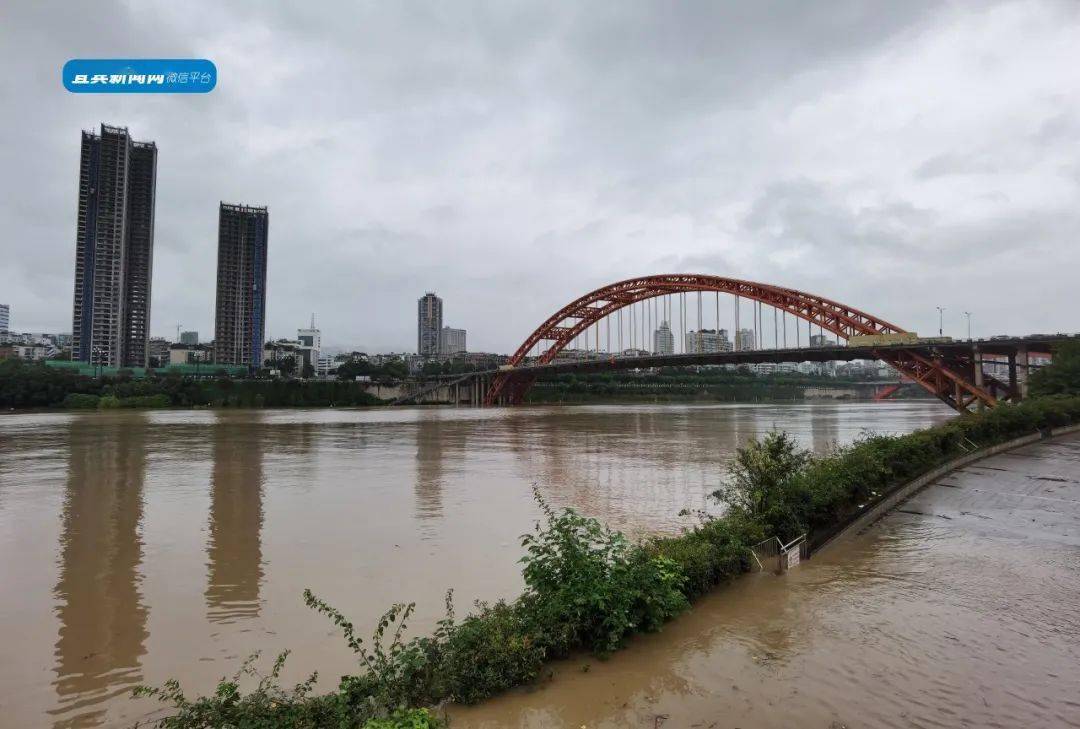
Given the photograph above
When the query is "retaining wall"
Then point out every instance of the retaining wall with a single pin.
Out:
(905, 491)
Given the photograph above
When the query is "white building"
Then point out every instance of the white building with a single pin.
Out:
(326, 365)
(5, 318)
(310, 341)
(451, 341)
(744, 340)
(30, 351)
(663, 339)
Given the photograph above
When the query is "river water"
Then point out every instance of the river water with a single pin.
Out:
(138, 546)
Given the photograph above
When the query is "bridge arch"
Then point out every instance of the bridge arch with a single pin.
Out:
(562, 327)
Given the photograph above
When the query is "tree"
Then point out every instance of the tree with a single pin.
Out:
(761, 475)
(284, 365)
(1063, 376)
(308, 371)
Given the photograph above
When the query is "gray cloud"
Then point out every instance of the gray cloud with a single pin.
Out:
(511, 156)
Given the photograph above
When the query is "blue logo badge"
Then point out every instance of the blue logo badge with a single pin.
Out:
(139, 76)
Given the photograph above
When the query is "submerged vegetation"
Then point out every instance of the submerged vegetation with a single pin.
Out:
(589, 588)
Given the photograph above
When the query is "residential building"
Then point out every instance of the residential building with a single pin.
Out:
(451, 341)
(280, 350)
(158, 351)
(311, 344)
(240, 320)
(745, 340)
(707, 341)
(28, 351)
(181, 353)
(326, 365)
(114, 248)
(663, 339)
(189, 337)
(429, 311)
(5, 319)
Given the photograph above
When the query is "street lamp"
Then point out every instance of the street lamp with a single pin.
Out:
(968, 315)
(941, 321)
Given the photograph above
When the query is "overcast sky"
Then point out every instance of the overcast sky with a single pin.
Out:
(895, 156)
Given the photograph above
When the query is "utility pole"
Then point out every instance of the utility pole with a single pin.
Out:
(968, 315)
(941, 321)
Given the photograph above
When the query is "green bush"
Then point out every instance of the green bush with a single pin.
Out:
(1062, 377)
(592, 587)
(77, 401)
(492, 650)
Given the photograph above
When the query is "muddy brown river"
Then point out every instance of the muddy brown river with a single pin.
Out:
(135, 547)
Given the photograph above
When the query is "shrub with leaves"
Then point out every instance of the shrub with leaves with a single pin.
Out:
(589, 585)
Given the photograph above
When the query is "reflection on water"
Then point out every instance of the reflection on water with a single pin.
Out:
(234, 550)
(99, 608)
(174, 543)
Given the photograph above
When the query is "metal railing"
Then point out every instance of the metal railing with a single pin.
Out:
(774, 555)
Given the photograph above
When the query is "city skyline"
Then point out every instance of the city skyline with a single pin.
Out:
(845, 173)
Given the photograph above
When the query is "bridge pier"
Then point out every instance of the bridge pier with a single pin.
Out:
(977, 365)
(1022, 371)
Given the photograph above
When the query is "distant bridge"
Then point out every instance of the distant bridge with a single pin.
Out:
(953, 372)
(1014, 352)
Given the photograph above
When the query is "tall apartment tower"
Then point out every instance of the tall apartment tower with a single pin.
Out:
(5, 319)
(114, 249)
(240, 320)
(663, 339)
(428, 325)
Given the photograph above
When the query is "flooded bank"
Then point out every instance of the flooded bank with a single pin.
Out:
(138, 546)
(958, 609)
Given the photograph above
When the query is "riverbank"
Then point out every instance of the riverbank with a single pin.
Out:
(506, 644)
(955, 610)
(33, 386)
(708, 385)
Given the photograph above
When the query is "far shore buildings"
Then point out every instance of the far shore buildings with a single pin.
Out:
(707, 341)
(240, 316)
(114, 248)
(429, 312)
(433, 340)
(663, 339)
(451, 341)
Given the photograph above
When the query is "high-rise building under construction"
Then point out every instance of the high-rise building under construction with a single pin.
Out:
(114, 249)
(240, 320)
(428, 325)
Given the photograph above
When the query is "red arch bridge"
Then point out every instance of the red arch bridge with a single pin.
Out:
(624, 326)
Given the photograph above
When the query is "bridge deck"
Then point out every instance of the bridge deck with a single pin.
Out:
(606, 362)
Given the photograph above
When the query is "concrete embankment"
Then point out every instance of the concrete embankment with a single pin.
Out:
(902, 493)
